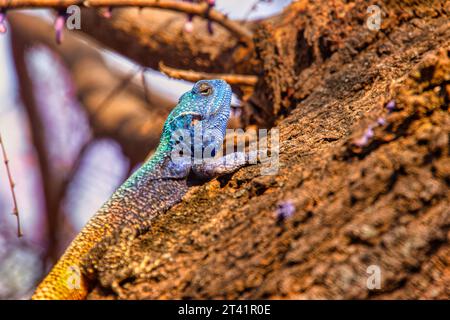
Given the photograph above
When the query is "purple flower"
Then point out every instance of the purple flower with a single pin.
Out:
(188, 26)
(107, 13)
(369, 132)
(381, 121)
(364, 140)
(390, 105)
(3, 21)
(285, 210)
(361, 142)
(59, 26)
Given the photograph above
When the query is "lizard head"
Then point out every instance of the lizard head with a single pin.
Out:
(206, 109)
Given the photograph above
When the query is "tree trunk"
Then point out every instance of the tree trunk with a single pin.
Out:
(364, 162)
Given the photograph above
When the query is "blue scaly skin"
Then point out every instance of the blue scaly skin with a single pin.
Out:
(159, 184)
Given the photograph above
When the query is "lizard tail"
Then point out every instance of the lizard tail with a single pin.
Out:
(66, 281)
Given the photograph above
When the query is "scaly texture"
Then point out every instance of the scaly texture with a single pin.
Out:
(155, 187)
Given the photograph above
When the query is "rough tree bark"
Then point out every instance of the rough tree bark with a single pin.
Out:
(383, 201)
(369, 184)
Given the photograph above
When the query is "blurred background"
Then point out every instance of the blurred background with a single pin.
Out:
(63, 171)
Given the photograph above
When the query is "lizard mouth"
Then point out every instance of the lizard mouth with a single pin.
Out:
(196, 118)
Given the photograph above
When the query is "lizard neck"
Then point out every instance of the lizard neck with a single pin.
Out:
(154, 164)
(161, 153)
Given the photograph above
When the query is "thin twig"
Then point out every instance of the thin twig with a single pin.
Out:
(12, 185)
(117, 89)
(251, 10)
(145, 87)
(198, 9)
(74, 170)
(189, 75)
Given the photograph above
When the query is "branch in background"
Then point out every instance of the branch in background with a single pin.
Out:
(11, 185)
(145, 86)
(69, 177)
(200, 9)
(152, 35)
(49, 180)
(117, 90)
(126, 118)
(189, 75)
(253, 8)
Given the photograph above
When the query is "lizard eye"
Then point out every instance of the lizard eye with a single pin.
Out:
(205, 89)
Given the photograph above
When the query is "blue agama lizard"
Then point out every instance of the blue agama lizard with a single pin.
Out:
(160, 183)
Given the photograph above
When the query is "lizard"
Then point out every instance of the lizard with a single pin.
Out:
(156, 186)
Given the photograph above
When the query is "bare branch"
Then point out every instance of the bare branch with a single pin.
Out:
(153, 35)
(117, 89)
(189, 75)
(12, 185)
(198, 9)
(145, 86)
(49, 180)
